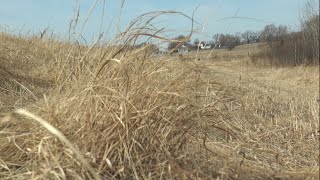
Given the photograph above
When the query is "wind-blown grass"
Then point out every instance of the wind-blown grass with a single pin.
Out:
(134, 115)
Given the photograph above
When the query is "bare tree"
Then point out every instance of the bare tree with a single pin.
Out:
(222, 40)
(257, 36)
(310, 26)
(281, 32)
(229, 41)
(268, 33)
(237, 38)
(216, 38)
(274, 35)
(248, 36)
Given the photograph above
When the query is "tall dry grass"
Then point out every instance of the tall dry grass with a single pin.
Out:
(132, 116)
(123, 113)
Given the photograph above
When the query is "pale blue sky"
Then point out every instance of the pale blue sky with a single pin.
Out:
(24, 15)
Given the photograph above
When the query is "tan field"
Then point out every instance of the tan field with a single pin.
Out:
(116, 114)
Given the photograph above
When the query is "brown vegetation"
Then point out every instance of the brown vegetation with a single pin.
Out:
(125, 114)
(294, 48)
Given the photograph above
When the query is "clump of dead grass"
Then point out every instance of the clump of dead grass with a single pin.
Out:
(130, 115)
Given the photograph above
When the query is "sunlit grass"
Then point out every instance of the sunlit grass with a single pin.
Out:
(125, 113)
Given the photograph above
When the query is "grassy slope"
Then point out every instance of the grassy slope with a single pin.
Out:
(221, 117)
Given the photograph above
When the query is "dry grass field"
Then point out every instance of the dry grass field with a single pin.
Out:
(121, 114)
